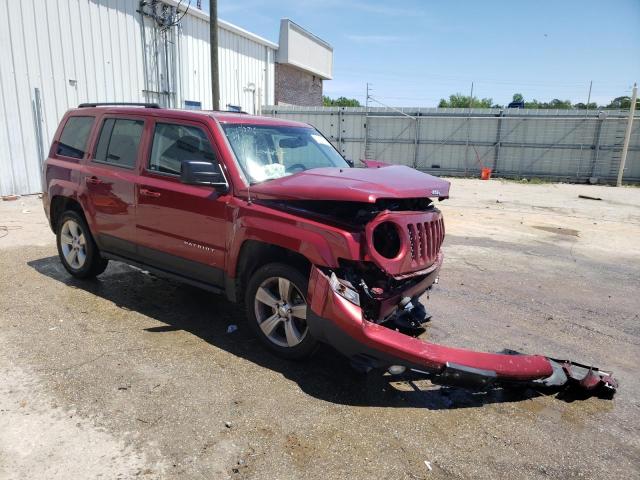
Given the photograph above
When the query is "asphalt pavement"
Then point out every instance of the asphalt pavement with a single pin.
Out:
(133, 376)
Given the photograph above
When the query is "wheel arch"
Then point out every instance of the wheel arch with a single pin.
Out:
(59, 205)
(255, 254)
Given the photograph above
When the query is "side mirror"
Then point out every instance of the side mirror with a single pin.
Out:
(198, 172)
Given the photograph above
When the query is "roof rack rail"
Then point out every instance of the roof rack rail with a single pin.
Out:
(119, 104)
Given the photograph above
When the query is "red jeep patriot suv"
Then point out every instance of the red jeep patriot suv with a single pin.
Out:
(267, 212)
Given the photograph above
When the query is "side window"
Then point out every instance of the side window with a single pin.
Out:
(119, 141)
(173, 144)
(74, 137)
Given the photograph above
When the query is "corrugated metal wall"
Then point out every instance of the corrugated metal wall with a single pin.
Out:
(59, 53)
(245, 66)
(555, 144)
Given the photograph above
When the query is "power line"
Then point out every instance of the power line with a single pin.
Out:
(446, 79)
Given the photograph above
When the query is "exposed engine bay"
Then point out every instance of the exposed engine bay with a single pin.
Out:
(353, 215)
(378, 291)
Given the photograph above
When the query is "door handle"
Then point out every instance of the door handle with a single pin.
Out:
(93, 180)
(149, 193)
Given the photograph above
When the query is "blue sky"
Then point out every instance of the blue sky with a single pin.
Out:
(416, 52)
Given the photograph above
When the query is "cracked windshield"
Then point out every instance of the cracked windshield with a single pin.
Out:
(267, 152)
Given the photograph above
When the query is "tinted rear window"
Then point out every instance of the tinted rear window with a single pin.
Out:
(119, 141)
(74, 138)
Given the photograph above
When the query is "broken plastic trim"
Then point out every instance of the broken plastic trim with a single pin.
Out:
(341, 324)
(584, 377)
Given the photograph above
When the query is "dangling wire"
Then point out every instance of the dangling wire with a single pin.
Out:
(178, 20)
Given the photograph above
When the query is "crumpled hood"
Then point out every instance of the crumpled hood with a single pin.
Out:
(354, 185)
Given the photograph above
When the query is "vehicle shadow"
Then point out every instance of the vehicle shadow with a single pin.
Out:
(327, 376)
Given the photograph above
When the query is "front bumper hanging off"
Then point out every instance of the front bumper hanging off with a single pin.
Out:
(340, 323)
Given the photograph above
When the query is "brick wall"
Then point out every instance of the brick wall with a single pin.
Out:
(297, 87)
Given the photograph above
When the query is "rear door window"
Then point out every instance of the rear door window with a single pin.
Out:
(174, 144)
(74, 137)
(119, 141)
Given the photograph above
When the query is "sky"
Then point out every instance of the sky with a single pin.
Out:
(414, 53)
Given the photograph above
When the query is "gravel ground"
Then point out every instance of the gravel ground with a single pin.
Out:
(134, 376)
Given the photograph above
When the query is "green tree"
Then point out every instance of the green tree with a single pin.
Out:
(559, 104)
(555, 104)
(340, 102)
(583, 106)
(622, 103)
(465, 101)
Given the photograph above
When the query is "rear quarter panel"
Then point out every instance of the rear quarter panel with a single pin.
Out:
(60, 175)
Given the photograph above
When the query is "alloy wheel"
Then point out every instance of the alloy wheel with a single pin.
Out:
(74, 244)
(281, 312)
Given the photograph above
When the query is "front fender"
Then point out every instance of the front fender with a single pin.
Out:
(319, 243)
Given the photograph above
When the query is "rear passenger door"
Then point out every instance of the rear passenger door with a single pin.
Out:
(110, 181)
(181, 228)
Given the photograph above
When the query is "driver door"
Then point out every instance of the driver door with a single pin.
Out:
(181, 228)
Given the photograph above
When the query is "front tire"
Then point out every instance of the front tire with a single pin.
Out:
(77, 250)
(276, 308)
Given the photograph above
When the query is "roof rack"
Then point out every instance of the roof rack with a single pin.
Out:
(119, 104)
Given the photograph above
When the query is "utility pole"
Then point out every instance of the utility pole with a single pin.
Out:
(466, 148)
(586, 117)
(213, 40)
(627, 134)
(366, 122)
(366, 101)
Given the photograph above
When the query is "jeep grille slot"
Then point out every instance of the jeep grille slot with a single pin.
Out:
(425, 240)
(412, 245)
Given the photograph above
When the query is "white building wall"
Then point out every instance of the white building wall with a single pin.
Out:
(244, 63)
(302, 49)
(75, 51)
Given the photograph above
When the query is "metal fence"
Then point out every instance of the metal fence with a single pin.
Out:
(574, 145)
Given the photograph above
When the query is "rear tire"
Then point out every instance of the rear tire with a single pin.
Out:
(77, 250)
(277, 308)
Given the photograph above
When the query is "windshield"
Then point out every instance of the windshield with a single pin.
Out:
(266, 152)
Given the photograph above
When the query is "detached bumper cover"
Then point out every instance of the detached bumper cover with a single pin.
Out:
(340, 323)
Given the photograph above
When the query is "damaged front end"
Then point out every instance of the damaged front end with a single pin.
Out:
(336, 317)
(365, 301)
(369, 311)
